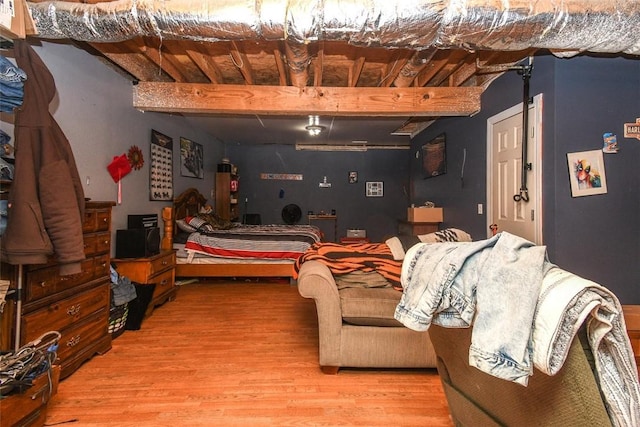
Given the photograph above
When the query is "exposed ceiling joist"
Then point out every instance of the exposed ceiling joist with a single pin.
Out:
(412, 62)
(288, 100)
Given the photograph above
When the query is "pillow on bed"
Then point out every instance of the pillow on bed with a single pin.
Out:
(184, 226)
(199, 224)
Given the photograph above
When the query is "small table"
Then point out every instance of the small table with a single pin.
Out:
(417, 228)
(333, 218)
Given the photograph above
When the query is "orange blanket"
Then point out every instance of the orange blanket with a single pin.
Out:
(343, 259)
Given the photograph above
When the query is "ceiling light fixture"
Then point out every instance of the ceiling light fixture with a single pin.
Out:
(314, 127)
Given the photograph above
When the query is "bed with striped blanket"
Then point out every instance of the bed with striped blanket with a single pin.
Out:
(255, 241)
(209, 248)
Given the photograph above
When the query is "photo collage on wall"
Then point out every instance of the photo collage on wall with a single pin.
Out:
(161, 168)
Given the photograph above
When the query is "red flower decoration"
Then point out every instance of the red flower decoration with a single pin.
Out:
(136, 160)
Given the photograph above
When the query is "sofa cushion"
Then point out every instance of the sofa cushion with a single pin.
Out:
(370, 307)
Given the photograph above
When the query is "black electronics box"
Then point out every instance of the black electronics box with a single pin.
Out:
(142, 221)
(137, 242)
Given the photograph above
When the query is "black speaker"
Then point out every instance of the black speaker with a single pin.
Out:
(137, 242)
(142, 221)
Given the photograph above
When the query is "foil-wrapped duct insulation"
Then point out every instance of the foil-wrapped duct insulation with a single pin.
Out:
(565, 27)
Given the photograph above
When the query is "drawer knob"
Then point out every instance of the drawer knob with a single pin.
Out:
(164, 282)
(165, 262)
(43, 283)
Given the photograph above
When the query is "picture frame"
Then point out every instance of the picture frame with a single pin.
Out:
(353, 177)
(374, 189)
(434, 157)
(191, 159)
(586, 173)
(161, 167)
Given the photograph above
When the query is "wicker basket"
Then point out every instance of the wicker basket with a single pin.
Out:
(117, 319)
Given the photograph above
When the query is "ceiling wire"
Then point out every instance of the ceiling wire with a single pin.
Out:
(388, 74)
(331, 126)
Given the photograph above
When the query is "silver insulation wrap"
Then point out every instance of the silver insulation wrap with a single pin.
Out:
(565, 27)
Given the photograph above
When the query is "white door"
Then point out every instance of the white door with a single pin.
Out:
(504, 173)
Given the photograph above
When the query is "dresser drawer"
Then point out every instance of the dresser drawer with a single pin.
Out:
(61, 314)
(82, 335)
(97, 243)
(21, 409)
(163, 281)
(162, 263)
(96, 220)
(46, 281)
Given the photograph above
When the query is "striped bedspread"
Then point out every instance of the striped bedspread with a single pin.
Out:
(343, 259)
(255, 241)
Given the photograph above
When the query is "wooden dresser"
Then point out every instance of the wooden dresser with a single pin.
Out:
(417, 228)
(77, 305)
(30, 407)
(158, 269)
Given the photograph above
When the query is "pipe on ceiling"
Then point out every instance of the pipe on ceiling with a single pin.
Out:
(566, 27)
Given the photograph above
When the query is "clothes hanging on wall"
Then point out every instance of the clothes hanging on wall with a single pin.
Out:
(12, 80)
(46, 202)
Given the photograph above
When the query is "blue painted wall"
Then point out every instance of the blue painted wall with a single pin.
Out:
(377, 215)
(597, 237)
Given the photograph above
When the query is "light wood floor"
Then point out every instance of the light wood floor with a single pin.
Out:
(238, 354)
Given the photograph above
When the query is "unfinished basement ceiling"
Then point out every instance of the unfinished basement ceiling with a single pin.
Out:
(251, 71)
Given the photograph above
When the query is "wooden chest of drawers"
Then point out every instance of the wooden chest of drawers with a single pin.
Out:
(158, 269)
(78, 305)
(30, 408)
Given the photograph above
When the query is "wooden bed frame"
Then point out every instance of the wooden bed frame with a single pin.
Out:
(189, 203)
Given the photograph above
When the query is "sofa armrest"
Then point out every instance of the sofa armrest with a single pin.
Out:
(316, 281)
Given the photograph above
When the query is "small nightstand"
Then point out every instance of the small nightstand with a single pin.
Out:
(158, 269)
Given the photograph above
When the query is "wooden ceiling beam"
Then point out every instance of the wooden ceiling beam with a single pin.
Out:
(130, 58)
(355, 71)
(241, 61)
(390, 71)
(318, 66)
(288, 100)
(280, 66)
(202, 58)
(164, 60)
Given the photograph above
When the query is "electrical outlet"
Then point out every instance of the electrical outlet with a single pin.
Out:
(480, 209)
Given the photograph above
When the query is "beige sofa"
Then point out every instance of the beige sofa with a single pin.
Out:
(357, 328)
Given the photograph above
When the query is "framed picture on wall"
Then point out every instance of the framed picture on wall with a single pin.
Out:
(586, 173)
(161, 167)
(434, 157)
(191, 159)
(375, 189)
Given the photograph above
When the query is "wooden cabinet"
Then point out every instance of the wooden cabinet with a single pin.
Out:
(30, 408)
(158, 270)
(417, 228)
(227, 186)
(76, 305)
